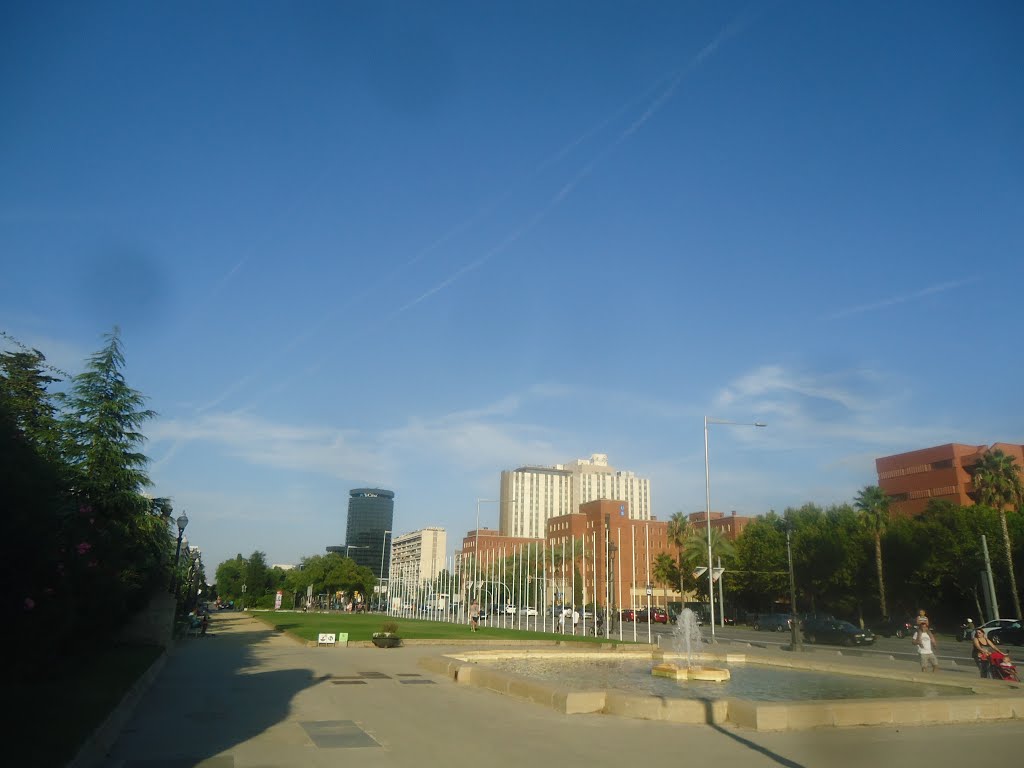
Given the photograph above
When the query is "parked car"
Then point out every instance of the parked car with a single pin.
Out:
(1010, 633)
(835, 631)
(527, 611)
(654, 616)
(898, 627)
(995, 624)
(775, 622)
(628, 614)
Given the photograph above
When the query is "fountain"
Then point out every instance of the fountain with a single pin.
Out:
(688, 642)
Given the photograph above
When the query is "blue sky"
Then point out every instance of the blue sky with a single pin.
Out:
(411, 245)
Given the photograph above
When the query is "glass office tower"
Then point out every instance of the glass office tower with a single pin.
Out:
(371, 512)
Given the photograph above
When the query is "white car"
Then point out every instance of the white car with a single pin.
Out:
(527, 611)
(988, 626)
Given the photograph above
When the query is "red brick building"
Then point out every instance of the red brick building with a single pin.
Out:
(632, 546)
(913, 479)
(731, 526)
(492, 543)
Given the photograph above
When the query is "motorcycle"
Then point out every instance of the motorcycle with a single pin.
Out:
(966, 631)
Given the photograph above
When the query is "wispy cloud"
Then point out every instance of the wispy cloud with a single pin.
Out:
(903, 298)
(487, 436)
(859, 406)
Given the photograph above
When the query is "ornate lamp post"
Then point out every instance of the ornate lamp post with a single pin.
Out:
(182, 521)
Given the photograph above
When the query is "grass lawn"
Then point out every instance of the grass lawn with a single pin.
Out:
(53, 717)
(360, 626)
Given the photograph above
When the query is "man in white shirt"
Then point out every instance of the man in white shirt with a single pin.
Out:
(925, 642)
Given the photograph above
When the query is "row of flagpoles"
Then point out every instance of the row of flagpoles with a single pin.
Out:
(515, 581)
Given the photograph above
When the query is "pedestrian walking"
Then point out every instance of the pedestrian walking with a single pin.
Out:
(980, 652)
(926, 645)
(575, 619)
(474, 616)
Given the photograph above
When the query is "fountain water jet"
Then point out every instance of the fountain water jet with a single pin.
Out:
(688, 641)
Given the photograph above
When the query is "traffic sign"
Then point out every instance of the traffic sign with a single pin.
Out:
(699, 571)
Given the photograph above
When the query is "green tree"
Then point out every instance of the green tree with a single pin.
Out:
(997, 484)
(665, 572)
(124, 544)
(873, 504)
(257, 576)
(230, 578)
(760, 573)
(24, 384)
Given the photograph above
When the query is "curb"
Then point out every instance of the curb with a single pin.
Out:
(96, 746)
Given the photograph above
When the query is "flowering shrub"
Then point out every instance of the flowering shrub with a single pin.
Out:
(387, 629)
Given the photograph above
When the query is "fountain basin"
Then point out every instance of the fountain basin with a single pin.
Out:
(704, 674)
(576, 687)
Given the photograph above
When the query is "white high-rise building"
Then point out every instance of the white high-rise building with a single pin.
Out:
(532, 495)
(419, 556)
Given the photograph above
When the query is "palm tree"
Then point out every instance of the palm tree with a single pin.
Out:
(679, 530)
(997, 484)
(695, 549)
(665, 572)
(873, 504)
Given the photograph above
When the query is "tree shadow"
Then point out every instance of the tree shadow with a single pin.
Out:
(210, 697)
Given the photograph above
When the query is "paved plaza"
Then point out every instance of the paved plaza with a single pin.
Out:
(249, 697)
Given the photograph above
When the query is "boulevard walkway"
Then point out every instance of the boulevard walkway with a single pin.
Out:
(247, 697)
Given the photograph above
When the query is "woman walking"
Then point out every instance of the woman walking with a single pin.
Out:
(981, 650)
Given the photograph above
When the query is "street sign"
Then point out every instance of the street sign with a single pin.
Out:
(716, 573)
(649, 590)
(699, 571)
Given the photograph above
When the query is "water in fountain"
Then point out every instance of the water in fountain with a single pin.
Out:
(687, 637)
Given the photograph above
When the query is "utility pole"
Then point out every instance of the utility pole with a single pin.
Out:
(796, 642)
(991, 583)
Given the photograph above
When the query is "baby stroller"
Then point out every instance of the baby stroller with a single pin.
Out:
(1001, 668)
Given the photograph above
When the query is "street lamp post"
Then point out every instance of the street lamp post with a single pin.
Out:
(707, 490)
(181, 522)
(796, 642)
(353, 546)
(383, 547)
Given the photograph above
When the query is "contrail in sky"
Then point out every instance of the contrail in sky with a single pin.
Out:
(903, 298)
(656, 96)
(663, 98)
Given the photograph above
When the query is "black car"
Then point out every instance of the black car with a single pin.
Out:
(889, 626)
(777, 622)
(1013, 634)
(835, 631)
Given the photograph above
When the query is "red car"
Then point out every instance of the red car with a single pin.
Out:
(657, 615)
(628, 614)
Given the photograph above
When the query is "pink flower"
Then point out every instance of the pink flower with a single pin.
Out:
(84, 547)
(29, 603)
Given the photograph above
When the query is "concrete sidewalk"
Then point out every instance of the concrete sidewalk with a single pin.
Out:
(248, 697)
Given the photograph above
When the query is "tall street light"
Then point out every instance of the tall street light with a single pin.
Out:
(383, 547)
(796, 642)
(353, 546)
(181, 522)
(707, 490)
